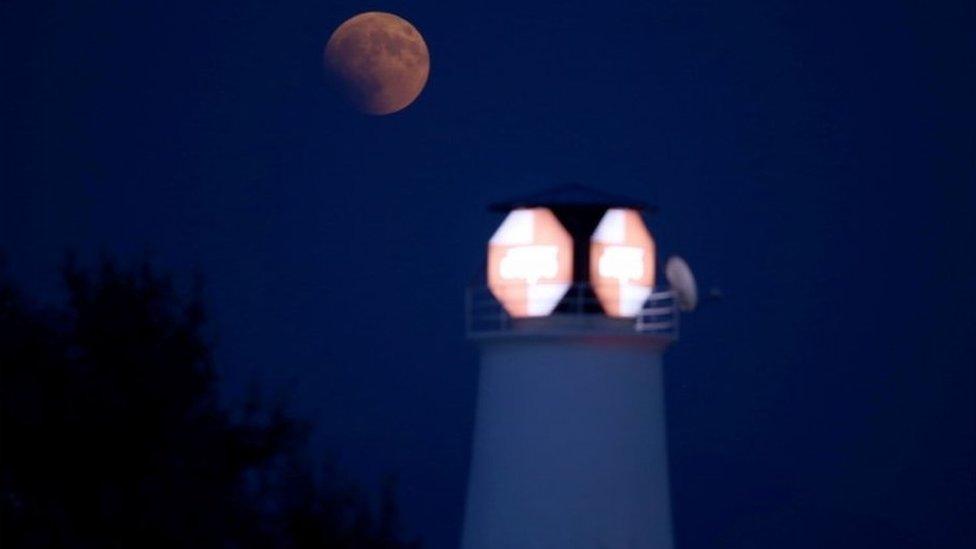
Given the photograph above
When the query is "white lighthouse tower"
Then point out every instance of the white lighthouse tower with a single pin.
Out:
(569, 445)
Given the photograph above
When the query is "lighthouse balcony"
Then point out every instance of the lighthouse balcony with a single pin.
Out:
(578, 312)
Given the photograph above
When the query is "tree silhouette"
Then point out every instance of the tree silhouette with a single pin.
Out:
(112, 434)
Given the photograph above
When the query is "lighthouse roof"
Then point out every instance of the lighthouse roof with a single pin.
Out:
(571, 195)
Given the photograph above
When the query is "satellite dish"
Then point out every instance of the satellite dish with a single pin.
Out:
(682, 283)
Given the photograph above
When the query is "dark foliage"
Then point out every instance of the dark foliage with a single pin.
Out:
(112, 434)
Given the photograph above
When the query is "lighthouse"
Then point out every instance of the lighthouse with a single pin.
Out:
(569, 447)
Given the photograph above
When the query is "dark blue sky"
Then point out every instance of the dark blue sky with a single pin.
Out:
(813, 159)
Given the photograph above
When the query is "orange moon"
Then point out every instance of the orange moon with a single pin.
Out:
(380, 61)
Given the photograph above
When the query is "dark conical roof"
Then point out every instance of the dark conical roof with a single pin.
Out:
(571, 195)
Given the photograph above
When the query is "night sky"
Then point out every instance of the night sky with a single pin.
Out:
(814, 160)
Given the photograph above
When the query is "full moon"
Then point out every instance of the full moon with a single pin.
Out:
(380, 61)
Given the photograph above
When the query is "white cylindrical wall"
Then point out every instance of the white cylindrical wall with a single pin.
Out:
(569, 446)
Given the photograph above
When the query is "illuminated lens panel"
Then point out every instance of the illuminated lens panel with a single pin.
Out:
(622, 262)
(530, 262)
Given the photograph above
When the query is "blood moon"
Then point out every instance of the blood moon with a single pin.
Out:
(379, 60)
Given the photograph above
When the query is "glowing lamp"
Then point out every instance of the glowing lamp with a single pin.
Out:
(530, 262)
(621, 262)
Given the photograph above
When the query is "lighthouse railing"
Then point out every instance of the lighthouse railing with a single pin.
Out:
(658, 315)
